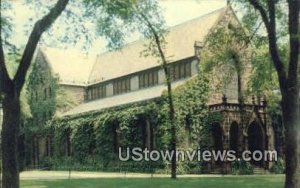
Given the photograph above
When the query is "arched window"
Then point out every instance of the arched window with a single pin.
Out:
(256, 140)
(36, 96)
(50, 92)
(45, 93)
(234, 137)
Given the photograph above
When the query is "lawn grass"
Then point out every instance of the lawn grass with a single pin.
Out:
(269, 181)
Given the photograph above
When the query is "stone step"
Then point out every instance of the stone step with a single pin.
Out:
(259, 171)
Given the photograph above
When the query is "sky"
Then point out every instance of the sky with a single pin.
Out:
(175, 12)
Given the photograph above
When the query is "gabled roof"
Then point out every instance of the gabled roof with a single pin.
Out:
(71, 66)
(75, 68)
(180, 45)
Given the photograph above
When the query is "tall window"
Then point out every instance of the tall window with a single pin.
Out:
(45, 93)
(94, 93)
(101, 92)
(179, 71)
(97, 92)
(148, 79)
(121, 86)
(89, 94)
(36, 95)
(50, 92)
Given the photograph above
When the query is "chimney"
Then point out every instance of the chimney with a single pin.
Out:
(198, 46)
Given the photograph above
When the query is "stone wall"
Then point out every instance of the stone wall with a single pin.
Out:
(77, 93)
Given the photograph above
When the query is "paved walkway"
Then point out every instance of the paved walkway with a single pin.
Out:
(48, 175)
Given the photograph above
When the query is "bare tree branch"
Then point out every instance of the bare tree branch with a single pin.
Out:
(39, 27)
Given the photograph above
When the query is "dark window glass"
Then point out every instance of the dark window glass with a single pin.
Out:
(97, 92)
(50, 92)
(187, 69)
(148, 79)
(121, 86)
(36, 96)
(155, 78)
(45, 93)
(151, 82)
(141, 81)
(177, 72)
(90, 94)
(94, 93)
(182, 71)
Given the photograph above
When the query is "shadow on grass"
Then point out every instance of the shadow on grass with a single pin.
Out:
(269, 181)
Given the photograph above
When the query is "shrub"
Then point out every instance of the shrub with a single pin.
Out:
(278, 167)
(242, 168)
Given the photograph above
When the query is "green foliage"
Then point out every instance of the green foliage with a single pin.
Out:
(270, 181)
(264, 79)
(226, 47)
(191, 110)
(253, 23)
(278, 167)
(225, 57)
(205, 142)
(92, 135)
(41, 89)
(61, 136)
(83, 140)
(242, 168)
(124, 16)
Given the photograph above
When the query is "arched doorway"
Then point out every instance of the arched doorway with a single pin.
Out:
(256, 141)
(234, 137)
(115, 137)
(145, 133)
(217, 137)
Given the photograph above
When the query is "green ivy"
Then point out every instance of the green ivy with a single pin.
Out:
(92, 134)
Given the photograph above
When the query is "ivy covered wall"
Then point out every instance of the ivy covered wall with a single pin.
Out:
(41, 89)
(93, 139)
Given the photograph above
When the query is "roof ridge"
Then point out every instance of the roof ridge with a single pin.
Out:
(171, 27)
(141, 39)
(198, 17)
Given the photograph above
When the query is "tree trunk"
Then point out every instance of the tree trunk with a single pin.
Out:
(170, 98)
(10, 127)
(290, 110)
(173, 130)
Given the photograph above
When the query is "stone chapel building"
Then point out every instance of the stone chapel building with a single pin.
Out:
(123, 77)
